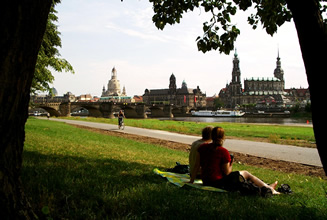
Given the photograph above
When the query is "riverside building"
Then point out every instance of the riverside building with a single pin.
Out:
(264, 92)
(183, 96)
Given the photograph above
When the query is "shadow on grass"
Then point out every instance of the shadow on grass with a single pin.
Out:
(73, 187)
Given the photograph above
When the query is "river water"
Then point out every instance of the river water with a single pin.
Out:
(281, 121)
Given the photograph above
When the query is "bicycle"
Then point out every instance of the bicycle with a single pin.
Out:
(121, 124)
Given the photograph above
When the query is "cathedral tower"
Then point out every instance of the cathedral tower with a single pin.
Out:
(279, 72)
(236, 74)
(172, 84)
(235, 87)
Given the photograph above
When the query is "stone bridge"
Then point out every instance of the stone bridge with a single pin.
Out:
(107, 109)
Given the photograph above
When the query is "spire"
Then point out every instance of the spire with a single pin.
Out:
(184, 85)
(279, 72)
(124, 91)
(172, 77)
(235, 54)
(278, 59)
(236, 74)
(113, 73)
(172, 83)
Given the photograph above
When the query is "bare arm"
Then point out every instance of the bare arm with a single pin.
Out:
(196, 167)
(227, 168)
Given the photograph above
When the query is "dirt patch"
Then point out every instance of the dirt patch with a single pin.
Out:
(277, 140)
(283, 166)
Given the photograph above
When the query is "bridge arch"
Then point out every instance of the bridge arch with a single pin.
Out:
(79, 111)
(192, 109)
(116, 109)
(93, 110)
(158, 111)
(129, 111)
(52, 110)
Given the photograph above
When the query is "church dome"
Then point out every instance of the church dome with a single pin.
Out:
(53, 91)
(113, 84)
(184, 85)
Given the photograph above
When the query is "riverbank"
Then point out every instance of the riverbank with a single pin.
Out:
(278, 134)
(240, 158)
(73, 173)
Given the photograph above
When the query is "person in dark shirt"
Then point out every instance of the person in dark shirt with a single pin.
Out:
(121, 117)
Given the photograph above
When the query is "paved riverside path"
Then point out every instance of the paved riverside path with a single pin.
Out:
(303, 155)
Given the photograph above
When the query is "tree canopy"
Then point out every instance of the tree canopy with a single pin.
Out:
(49, 56)
(220, 32)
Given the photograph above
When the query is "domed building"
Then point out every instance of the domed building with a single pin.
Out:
(113, 92)
(53, 92)
(113, 85)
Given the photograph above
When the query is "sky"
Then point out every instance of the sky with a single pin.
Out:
(98, 35)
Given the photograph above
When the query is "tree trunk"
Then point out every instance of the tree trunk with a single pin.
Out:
(313, 42)
(22, 25)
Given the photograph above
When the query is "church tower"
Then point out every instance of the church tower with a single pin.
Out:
(235, 87)
(114, 84)
(124, 92)
(279, 72)
(172, 84)
(236, 74)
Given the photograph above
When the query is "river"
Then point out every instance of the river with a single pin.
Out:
(280, 121)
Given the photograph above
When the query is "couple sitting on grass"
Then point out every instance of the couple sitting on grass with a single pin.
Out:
(215, 163)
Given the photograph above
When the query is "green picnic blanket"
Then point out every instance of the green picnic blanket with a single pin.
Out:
(181, 180)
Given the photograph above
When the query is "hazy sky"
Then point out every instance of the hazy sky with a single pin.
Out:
(98, 35)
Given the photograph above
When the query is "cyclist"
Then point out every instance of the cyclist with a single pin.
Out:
(121, 117)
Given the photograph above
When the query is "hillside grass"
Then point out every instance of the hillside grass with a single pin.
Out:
(71, 173)
(284, 134)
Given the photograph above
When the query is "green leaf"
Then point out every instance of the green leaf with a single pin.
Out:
(49, 57)
(45, 210)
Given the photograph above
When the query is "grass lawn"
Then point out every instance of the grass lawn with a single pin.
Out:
(293, 135)
(71, 173)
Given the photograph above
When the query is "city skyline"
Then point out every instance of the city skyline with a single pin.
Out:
(99, 35)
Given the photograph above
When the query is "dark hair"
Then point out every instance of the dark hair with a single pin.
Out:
(218, 136)
(206, 133)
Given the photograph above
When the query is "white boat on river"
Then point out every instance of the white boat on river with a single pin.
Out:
(218, 113)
